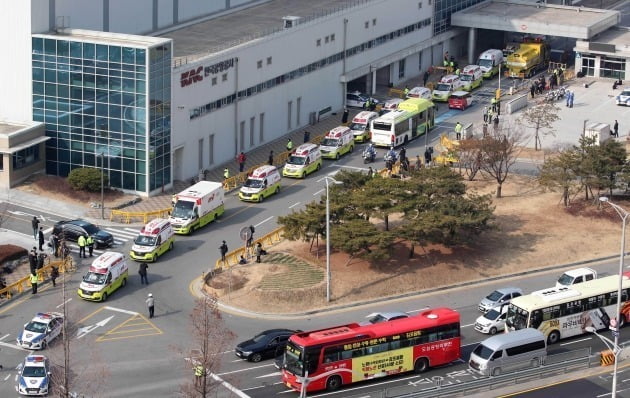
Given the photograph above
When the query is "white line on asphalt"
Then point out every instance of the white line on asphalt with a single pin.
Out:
(47, 231)
(225, 352)
(230, 387)
(576, 341)
(4, 337)
(121, 310)
(65, 302)
(15, 346)
(264, 221)
(297, 203)
(470, 324)
(318, 192)
(121, 233)
(245, 370)
(269, 375)
(134, 231)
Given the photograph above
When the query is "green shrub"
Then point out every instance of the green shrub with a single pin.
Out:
(87, 179)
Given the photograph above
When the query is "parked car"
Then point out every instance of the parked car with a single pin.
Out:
(624, 97)
(357, 99)
(575, 276)
(71, 230)
(264, 345)
(41, 330)
(34, 376)
(499, 296)
(379, 317)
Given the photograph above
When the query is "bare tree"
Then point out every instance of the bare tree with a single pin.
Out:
(470, 156)
(209, 337)
(499, 151)
(541, 118)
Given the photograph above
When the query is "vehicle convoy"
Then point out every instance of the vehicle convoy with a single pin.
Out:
(566, 312)
(306, 159)
(264, 345)
(342, 355)
(197, 206)
(155, 239)
(530, 58)
(41, 330)
(471, 77)
(106, 274)
(411, 119)
(445, 87)
(489, 61)
(34, 376)
(260, 184)
(337, 142)
(360, 125)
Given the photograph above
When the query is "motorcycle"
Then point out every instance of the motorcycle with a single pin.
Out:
(390, 160)
(368, 157)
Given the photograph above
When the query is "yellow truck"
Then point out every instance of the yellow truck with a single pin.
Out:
(528, 59)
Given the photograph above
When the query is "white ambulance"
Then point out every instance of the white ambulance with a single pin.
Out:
(337, 142)
(471, 77)
(197, 206)
(360, 125)
(447, 85)
(155, 239)
(419, 92)
(263, 182)
(489, 62)
(106, 274)
(306, 159)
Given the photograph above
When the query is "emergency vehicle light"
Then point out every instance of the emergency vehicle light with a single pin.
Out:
(198, 201)
(43, 315)
(35, 358)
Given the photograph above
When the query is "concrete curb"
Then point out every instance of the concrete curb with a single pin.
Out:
(295, 315)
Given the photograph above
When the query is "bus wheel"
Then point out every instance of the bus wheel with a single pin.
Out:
(554, 337)
(333, 383)
(319, 166)
(421, 365)
(104, 297)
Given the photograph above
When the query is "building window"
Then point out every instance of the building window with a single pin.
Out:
(242, 135)
(297, 111)
(588, 66)
(420, 60)
(252, 121)
(214, 81)
(200, 154)
(401, 68)
(211, 149)
(420, 4)
(319, 42)
(374, 22)
(224, 77)
(326, 39)
(261, 122)
(259, 64)
(268, 60)
(332, 37)
(612, 67)
(26, 157)
(367, 24)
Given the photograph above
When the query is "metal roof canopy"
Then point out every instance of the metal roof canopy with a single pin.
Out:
(536, 18)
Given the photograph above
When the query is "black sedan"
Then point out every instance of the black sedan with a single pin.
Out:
(71, 230)
(264, 345)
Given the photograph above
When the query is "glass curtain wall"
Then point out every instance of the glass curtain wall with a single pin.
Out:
(444, 9)
(93, 99)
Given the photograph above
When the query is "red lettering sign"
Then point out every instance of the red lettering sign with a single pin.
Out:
(192, 76)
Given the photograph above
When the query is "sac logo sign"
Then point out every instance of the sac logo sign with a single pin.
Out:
(196, 75)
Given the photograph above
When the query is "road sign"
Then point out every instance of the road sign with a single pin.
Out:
(615, 333)
(245, 233)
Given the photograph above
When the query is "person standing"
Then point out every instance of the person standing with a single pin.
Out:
(571, 98)
(142, 270)
(485, 113)
(90, 244)
(406, 91)
(270, 159)
(64, 250)
(259, 250)
(226, 173)
(427, 156)
(33, 279)
(616, 129)
(82, 242)
(370, 172)
(223, 249)
(568, 96)
(241, 161)
(532, 90)
(344, 117)
(198, 375)
(35, 225)
(307, 136)
(41, 259)
(40, 236)
(54, 274)
(150, 304)
(425, 78)
(32, 260)
(458, 130)
(495, 121)
(289, 145)
(54, 245)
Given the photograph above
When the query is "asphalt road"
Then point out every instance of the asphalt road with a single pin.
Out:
(143, 357)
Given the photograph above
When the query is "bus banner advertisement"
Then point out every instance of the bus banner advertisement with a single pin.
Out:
(382, 364)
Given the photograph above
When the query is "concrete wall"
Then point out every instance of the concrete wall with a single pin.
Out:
(9, 177)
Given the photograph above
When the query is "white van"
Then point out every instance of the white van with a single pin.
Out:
(576, 276)
(263, 182)
(360, 125)
(445, 87)
(489, 62)
(155, 239)
(106, 274)
(306, 159)
(471, 77)
(337, 142)
(503, 353)
(419, 92)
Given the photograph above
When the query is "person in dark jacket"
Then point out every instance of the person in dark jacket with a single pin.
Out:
(40, 236)
(35, 225)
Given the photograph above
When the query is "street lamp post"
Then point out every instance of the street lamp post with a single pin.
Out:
(102, 186)
(624, 216)
(327, 178)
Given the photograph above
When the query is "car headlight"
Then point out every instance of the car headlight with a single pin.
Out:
(247, 353)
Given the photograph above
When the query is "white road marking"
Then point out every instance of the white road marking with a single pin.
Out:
(264, 221)
(65, 302)
(121, 310)
(230, 387)
(14, 346)
(576, 341)
(269, 375)
(85, 330)
(134, 231)
(470, 324)
(47, 231)
(4, 337)
(297, 203)
(318, 192)
(7, 377)
(245, 370)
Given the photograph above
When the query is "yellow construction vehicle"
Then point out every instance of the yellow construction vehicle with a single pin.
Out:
(528, 59)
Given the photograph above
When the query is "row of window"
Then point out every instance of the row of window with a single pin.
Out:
(294, 74)
(23, 158)
(443, 10)
(61, 49)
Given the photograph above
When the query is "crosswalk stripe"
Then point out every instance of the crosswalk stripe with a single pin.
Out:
(121, 232)
(134, 231)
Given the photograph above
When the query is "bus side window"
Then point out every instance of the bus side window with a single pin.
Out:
(394, 345)
(536, 319)
(331, 354)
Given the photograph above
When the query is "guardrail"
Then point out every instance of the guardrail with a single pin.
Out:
(43, 273)
(232, 258)
(145, 216)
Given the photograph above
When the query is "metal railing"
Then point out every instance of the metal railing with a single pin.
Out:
(145, 216)
(43, 273)
(232, 258)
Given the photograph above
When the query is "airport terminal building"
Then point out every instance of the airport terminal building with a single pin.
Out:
(154, 91)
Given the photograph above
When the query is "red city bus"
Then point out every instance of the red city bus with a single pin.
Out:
(330, 358)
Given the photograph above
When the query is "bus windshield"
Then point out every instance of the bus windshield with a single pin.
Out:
(516, 317)
(443, 87)
(183, 209)
(486, 63)
(293, 359)
(299, 160)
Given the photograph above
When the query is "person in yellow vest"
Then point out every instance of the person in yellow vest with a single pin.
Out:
(493, 101)
(289, 145)
(457, 71)
(33, 280)
(90, 244)
(458, 130)
(226, 173)
(406, 90)
(198, 374)
(82, 242)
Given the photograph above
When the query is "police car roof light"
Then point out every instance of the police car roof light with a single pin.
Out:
(35, 358)
(43, 315)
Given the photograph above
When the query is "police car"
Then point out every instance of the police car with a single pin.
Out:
(624, 97)
(41, 330)
(34, 378)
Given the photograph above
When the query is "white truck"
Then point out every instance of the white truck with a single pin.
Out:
(197, 206)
